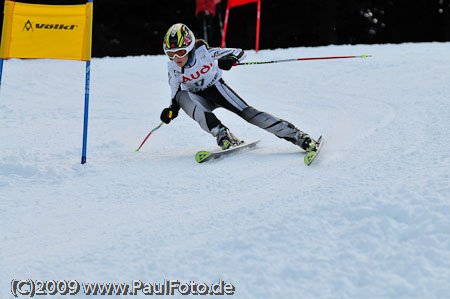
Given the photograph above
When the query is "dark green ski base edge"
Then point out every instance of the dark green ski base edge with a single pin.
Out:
(204, 156)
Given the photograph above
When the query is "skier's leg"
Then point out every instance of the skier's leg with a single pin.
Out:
(200, 110)
(278, 127)
(230, 100)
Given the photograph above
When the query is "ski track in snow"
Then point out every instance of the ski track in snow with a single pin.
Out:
(369, 219)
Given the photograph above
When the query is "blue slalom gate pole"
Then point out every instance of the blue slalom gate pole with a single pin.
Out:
(1, 71)
(86, 111)
(86, 108)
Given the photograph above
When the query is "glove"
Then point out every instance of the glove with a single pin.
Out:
(225, 63)
(168, 114)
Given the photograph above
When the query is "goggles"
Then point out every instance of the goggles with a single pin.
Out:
(180, 53)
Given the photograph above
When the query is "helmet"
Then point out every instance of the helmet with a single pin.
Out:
(179, 40)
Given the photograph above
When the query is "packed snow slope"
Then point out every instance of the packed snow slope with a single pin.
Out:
(369, 219)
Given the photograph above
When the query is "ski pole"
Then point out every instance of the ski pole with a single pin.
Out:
(159, 126)
(301, 59)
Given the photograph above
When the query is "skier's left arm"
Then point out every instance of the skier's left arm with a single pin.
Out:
(227, 57)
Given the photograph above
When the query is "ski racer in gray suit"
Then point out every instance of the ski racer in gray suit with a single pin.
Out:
(195, 78)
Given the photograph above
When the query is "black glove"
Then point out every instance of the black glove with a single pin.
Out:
(168, 114)
(225, 63)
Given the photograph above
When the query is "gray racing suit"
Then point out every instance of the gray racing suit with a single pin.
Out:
(198, 88)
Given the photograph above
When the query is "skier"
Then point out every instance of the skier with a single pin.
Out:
(195, 78)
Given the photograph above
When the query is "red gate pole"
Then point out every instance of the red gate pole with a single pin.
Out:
(258, 16)
(225, 27)
(234, 3)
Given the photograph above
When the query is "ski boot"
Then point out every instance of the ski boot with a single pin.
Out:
(305, 142)
(225, 139)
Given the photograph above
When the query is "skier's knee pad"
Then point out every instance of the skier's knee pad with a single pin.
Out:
(258, 118)
(249, 113)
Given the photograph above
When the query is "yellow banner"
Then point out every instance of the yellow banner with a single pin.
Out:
(47, 31)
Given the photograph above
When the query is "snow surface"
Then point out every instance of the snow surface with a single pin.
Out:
(369, 219)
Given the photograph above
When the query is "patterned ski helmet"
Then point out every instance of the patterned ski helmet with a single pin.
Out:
(179, 40)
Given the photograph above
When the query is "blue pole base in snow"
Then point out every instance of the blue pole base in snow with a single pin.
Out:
(1, 71)
(86, 112)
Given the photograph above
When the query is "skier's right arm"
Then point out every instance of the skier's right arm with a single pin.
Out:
(172, 111)
(168, 114)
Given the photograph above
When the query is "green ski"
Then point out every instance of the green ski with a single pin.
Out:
(310, 156)
(204, 156)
